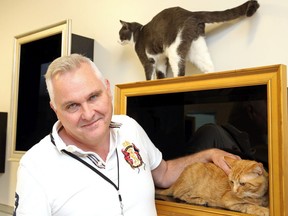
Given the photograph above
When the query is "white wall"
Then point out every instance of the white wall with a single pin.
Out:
(260, 40)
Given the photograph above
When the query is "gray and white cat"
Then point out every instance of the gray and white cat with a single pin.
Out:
(175, 35)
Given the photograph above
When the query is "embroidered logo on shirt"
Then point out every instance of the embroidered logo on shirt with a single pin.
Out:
(132, 155)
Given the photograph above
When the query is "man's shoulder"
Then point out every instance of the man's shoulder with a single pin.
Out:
(122, 119)
(39, 151)
(125, 124)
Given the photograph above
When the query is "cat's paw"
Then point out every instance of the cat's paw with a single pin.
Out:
(259, 211)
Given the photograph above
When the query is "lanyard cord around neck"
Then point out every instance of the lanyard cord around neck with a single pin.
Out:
(117, 187)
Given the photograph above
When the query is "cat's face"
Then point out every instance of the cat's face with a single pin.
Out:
(125, 34)
(248, 179)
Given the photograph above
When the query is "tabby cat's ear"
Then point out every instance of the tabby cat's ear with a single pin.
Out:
(258, 168)
(229, 161)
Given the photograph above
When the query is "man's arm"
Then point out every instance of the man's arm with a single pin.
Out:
(168, 171)
(30, 198)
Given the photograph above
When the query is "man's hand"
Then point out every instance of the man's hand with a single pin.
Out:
(217, 157)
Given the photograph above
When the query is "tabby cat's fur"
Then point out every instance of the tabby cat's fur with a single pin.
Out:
(176, 34)
(244, 190)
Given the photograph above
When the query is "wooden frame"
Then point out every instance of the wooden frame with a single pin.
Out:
(28, 94)
(275, 78)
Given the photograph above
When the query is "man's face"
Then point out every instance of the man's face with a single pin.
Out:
(83, 104)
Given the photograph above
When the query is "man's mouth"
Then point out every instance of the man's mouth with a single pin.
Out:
(90, 124)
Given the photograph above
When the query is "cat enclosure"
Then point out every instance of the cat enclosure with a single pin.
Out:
(172, 109)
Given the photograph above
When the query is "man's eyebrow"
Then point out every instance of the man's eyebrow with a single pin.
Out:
(65, 104)
(96, 92)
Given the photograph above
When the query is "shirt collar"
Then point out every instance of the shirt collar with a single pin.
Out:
(114, 126)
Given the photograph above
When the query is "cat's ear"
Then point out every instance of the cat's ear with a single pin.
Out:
(123, 23)
(229, 161)
(258, 168)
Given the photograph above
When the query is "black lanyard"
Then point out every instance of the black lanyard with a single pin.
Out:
(117, 187)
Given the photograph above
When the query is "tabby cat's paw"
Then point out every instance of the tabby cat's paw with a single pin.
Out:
(260, 211)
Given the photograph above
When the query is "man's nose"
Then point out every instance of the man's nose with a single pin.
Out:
(87, 112)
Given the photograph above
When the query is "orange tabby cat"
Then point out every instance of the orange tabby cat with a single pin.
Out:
(244, 190)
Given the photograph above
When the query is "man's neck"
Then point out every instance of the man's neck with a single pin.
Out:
(100, 148)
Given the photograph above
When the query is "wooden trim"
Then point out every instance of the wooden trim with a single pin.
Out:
(275, 78)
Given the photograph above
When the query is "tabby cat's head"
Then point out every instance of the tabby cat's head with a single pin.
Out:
(247, 178)
(128, 32)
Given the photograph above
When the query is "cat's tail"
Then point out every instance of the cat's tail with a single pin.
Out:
(247, 9)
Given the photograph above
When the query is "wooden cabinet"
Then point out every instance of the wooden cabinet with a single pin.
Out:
(176, 103)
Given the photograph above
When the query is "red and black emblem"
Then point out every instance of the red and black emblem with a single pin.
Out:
(132, 155)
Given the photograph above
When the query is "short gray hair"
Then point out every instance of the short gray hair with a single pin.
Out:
(66, 64)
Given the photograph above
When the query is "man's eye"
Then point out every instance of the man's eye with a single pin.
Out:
(93, 97)
(72, 107)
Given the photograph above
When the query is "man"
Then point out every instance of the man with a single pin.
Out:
(94, 163)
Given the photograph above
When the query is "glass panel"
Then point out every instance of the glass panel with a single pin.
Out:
(31, 116)
(35, 117)
(178, 123)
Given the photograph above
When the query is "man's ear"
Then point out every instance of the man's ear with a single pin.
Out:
(52, 106)
(107, 84)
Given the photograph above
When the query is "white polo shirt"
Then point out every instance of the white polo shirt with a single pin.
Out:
(51, 182)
